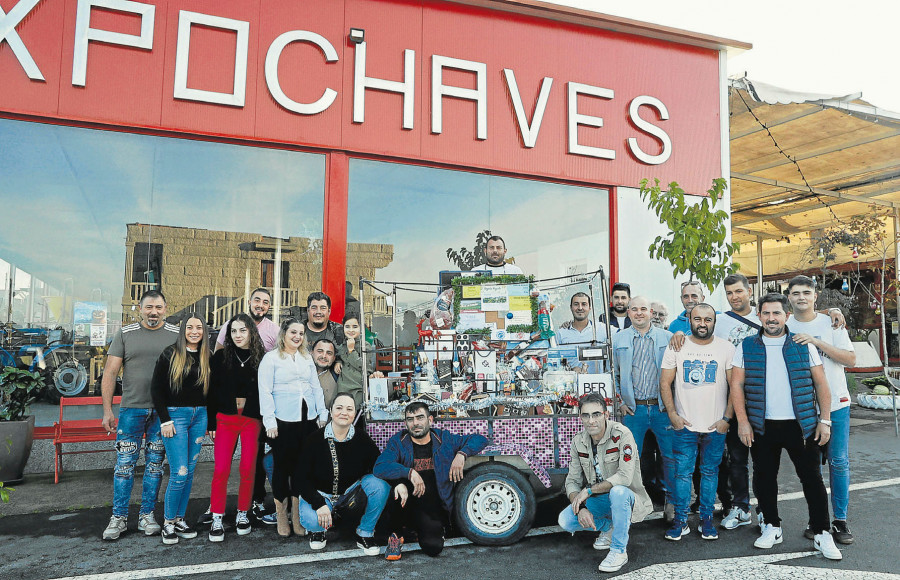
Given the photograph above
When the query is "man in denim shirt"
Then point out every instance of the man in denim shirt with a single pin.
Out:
(135, 349)
(638, 352)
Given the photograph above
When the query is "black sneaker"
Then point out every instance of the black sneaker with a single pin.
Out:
(242, 523)
(205, 518)
(184, 530)
(258, 510)
(216, 529)
(841, 532)
(317, 541)
(367, 545)
(169, 536)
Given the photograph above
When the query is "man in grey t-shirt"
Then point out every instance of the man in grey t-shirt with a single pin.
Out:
(135, 349)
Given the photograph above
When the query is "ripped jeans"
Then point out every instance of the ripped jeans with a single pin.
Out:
(183, 449)
(134, 424)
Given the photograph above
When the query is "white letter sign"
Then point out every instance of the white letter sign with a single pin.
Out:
(274, 55)
(84, 33)
(8, 23)
(529, 132)
(576, 119)
(439, 90)
(633, 113)
(361, 82)
(182, 56)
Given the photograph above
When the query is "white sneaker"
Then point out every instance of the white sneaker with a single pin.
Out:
(613, 561)
(603, 541)
(770, 536)
(825, 543)
(115, 527)
(736, 518)
(147, 524)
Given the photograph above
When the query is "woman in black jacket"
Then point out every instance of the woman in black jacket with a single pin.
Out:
(233, 413)
(338, 460)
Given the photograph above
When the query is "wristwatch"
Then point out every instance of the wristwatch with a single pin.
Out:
(825, 422)
(590, 491)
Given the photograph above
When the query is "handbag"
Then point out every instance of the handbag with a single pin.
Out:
(353, 503)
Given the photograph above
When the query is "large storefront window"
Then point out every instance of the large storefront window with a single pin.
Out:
(411, 216)
(92, 219)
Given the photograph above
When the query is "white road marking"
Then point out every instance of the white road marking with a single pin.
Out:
(750, 567)
(667, 570)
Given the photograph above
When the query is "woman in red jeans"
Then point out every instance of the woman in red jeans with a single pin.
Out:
(233, 411)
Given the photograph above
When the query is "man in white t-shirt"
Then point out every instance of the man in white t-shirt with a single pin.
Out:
(699, 413)
(776, 384)
(495, 252)
(836, 350)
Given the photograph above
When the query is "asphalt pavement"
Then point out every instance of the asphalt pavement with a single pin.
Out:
(53, 531)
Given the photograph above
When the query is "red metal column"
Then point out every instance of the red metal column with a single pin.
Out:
(334, 235)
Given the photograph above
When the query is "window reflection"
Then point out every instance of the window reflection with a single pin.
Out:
(93, 218)
(550, 230)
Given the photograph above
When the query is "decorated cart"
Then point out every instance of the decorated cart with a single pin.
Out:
(487, 361)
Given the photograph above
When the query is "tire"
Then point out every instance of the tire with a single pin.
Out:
(67, 380)
(494, 505)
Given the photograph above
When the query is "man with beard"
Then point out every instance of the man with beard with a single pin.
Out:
(691, 295)
(495, 252)
(776, 385)
(618, 307)
(257, 308)
(699, 412)
(318, 323)
(639, 351)
(135, 349)
(423, 464)
(323, 353)
(580, 330)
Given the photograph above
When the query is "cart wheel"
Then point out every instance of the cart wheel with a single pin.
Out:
(69, 380)
(494, 505)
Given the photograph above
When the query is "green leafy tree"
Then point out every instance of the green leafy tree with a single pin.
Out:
(696, 243)
(467, 259)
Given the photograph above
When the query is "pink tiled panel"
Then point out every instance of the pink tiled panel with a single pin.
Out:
(381, 432)
(568, 426)
(535, 433)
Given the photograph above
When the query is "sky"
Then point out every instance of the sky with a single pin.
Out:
(818, 46)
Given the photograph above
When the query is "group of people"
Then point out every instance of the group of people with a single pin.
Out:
(715, 390)
(265, 387)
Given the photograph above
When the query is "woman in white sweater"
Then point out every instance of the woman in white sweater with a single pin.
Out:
(292, 406)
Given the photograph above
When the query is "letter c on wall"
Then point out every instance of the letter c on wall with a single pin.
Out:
(274, 55)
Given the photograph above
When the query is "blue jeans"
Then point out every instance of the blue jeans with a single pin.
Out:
(650, 418)
(133, 426)
(611, 509)
(686, 445)
(839, 462)
(377, 491)
(183, 450)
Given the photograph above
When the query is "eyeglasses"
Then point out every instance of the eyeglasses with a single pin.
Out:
(690, 283)
(591, 416)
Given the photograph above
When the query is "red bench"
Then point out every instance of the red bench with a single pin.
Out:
(78, 430)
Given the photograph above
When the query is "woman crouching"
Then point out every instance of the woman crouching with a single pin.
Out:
(337, 462)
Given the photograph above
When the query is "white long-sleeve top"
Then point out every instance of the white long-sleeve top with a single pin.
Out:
(284, 383)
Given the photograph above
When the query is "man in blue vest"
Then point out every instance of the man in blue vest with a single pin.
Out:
(775, 385)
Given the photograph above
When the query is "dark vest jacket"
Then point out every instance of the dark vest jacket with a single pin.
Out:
(803, 392)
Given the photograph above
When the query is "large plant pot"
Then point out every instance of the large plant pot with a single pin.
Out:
(15, 447)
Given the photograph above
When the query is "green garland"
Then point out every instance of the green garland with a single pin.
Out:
(460, 281)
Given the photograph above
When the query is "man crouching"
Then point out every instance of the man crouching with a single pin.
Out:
(604, 483)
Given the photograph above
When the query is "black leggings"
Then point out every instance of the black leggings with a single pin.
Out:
(287, 472)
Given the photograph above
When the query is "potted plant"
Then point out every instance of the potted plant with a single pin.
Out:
(18, 389)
